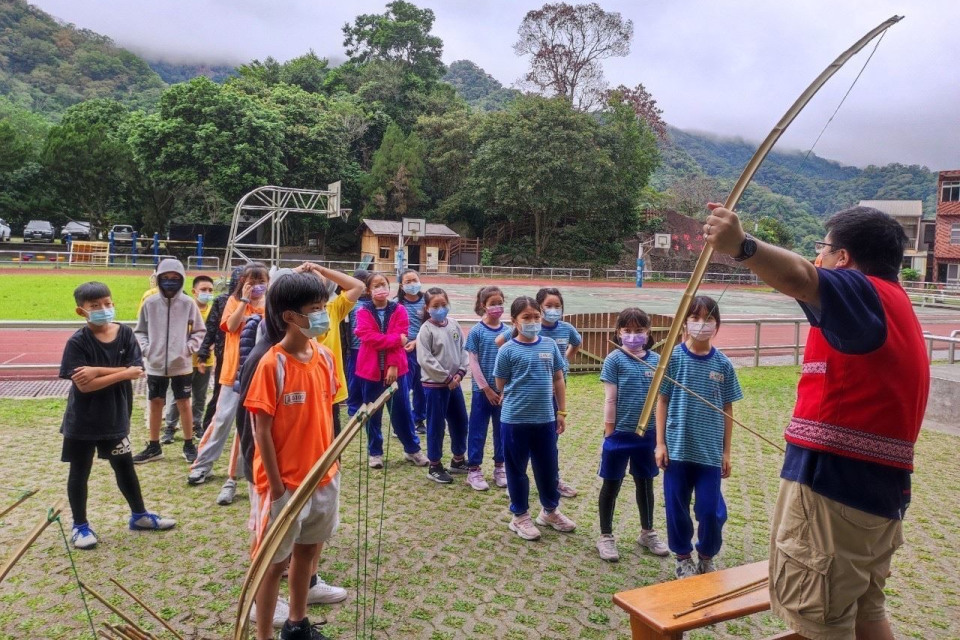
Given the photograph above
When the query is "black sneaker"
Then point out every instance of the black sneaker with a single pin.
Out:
(421, 427)
(151, 453)
(198, 432)
(438, 474)
(459, 466)
(189, 451)
(302, 630)
(167, 437)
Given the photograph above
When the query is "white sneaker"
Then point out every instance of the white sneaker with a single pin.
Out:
(652, 543)
(566, 490)
(375, 462)
(416, 458)
(475, 480)
(227, 493)
(83, 537)
(556, 520)
(523, 526)
(500, 476)
(323, 593)
(280, 614)
(607, 546)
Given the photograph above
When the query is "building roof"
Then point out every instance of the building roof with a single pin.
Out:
(392, 228)
(896, 208)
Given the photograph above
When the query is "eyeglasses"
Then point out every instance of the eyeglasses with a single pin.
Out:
(820, 246)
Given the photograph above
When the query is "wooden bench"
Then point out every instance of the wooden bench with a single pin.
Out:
(652, 608)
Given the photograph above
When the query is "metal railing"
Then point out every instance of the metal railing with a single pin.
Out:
(933, 293)
(681, 276)
(952, 341)
(61, 260)
(203, 263)
(493, 271)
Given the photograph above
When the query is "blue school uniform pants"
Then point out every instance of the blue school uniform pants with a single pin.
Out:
(399, 416)
(354, 387)
(481, 413)
(445, 407)
(536, 444)
(419, 400)
(681, 481)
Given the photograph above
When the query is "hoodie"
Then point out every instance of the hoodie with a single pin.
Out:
(169, 330)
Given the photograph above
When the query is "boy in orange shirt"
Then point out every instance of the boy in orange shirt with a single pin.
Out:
(290, 400)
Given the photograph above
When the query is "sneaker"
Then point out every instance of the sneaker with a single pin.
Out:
(607, 546)
(198, 433)
(189, 451)
(500, 477)
(421, 427)
(523, 526)
(198, 477)
(323, 593)
(438, 474)
(459, 466)
(556, 520)
(706, 565)
(566, 490)
(280, 614)
(149, 454)
(652, 543)
(417, 458)
(83, 537)
(475, 480)
(302, 630)
(686, 568)
(151, 522)
(375, 462)
(227, 492)
(167, 437)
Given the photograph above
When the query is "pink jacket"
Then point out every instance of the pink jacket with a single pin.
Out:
(373, 341)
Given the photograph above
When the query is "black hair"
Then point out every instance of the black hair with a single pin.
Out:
(633, 315)
(874, 240)
(197, 280)
(362, 275)
(521, 304)
(484, 294)
(375, 274)
(705, 307)
(90, 292)
(400, 281)
(291, 293)
(428, 296)
(549, 291)
(250, 270)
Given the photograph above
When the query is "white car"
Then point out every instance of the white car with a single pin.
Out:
(4, 231)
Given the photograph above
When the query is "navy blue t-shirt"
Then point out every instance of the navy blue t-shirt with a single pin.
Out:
(852, 320)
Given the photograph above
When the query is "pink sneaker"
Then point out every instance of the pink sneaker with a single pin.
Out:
(566, 490)
(475, 480)
(500, 477)
(556, 520)
(523, 526)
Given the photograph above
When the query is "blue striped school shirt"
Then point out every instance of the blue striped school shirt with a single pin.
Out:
(694, 430)
(633, 383)
(528, 368)
(414, 309)
(482, 342)
(564, 334)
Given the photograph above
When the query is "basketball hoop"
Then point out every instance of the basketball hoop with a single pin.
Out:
(414, 237)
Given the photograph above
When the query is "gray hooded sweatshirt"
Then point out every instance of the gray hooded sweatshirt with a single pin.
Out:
(169, 330)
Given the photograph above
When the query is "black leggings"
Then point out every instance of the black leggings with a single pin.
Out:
(127, 480)
(608, 502)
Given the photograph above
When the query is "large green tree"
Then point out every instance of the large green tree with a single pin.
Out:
(393, 186)
(401, 35)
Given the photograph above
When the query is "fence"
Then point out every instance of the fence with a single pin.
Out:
(630, 275)
(930, 293)
(61, 260)
(952, 341)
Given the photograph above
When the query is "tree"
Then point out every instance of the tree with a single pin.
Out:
(566, 44)
(481, 90)
(401, 35)
(642, 104)
(393, 186)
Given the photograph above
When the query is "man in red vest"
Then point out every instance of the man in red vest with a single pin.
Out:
(845, 482)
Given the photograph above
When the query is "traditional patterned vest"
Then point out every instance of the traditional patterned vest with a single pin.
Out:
(868, 407)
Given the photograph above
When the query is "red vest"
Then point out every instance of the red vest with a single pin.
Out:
(868, 407)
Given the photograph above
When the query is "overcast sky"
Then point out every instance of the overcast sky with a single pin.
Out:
(730, 67)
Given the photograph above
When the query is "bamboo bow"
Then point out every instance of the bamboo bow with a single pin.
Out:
(752, 166)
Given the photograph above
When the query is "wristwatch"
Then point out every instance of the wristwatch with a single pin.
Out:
(747, 248)
(245, 300)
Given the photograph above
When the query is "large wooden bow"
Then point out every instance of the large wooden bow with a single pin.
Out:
(697, 277)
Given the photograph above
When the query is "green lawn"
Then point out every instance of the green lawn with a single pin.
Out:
(448, 566)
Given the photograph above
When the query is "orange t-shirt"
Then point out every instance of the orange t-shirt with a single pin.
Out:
(231, 342)
(299, 396)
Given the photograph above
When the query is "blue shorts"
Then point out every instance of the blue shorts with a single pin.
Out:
(621, 447)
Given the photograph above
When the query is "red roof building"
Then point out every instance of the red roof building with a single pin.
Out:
(946, 246)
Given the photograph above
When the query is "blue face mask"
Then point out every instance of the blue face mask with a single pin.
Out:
(100, 317)
(412, 289)
(552, 315)
(439, 314)
(204, 298)
(170, 287)
(319, 324)
(530, 329)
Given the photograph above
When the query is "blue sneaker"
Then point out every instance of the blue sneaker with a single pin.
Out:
(83, 537)
(151, 522)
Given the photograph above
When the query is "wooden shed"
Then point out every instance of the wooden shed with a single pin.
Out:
(430, 253)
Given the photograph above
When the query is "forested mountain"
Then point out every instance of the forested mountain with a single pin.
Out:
(47, 65)
(172, 73)
(476, 86)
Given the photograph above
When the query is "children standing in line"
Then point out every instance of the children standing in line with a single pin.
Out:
(443, 362)
(693, 441)
(354, 391)
(101, 360)
(485, 401)
(382, 326)
(529, 374)
(626, 383)
(408, 294)
(214, 341)
(169, 330)
(567, 338)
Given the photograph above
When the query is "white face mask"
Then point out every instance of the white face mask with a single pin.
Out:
(701, 330)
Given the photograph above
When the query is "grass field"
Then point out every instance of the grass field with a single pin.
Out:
(448, 566)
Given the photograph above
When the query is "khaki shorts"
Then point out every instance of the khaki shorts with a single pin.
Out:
(317, 521)
(828, 563)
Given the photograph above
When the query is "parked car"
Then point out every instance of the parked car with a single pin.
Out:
(38, 231)
(4, 231)
(77, 230)
(122, 233)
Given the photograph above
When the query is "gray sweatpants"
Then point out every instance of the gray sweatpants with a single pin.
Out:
(198, 399)
(216, 436)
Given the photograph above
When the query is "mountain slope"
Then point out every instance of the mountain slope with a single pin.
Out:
(172, 73)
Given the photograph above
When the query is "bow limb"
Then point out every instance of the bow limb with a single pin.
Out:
(287, 516)
(748, 172)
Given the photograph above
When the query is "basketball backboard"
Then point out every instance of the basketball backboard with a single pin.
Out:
(661, 241)
(413, 228)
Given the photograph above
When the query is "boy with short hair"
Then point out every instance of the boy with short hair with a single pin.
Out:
(169, 330)
(290, 401)
(202, 369)
(101, 360)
